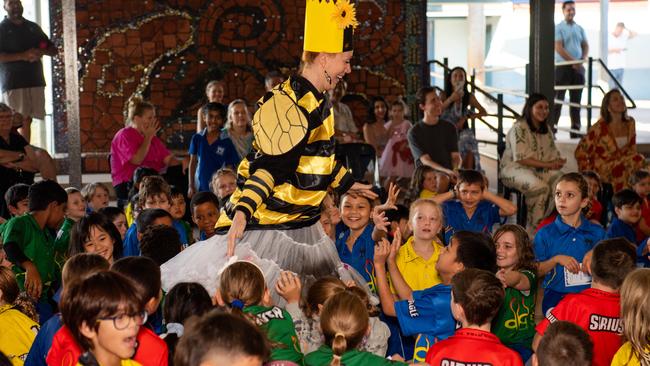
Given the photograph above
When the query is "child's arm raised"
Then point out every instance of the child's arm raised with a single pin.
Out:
(391, 200)
(514, 279)
(191, 186)
(378, 213)
(404, 291)
(382, 250)
(447, 196)
(380, 230)
(289, 287)
(506, 207)
(570, 263)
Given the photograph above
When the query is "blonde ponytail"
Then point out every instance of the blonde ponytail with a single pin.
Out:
(339, 346)
(344, 321)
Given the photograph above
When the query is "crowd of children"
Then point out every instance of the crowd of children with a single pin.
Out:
(450, 281)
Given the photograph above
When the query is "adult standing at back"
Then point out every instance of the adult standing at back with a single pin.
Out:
(434, 141)
(570, 45)
(616, 58)
(22, 44)
(137, 145)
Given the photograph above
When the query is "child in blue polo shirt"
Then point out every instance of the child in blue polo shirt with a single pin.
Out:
(472, 207)
(354, 242)
(627, 206)
(208, 151)
(427, 313)
(561, 246)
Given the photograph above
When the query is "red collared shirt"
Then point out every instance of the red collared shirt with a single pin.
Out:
(472, 347)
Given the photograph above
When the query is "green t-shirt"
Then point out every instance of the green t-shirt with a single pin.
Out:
(62, 242)
(515, 322)
(278, 326)
(37, 244)
(323, 357)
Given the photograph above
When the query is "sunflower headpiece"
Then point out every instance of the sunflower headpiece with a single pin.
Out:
(329, 25)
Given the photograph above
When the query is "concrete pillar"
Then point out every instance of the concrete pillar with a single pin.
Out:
(72, 91)
(476, 44)
(541, 70)
(604, 36)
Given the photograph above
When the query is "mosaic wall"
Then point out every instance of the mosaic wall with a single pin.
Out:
(168, 50)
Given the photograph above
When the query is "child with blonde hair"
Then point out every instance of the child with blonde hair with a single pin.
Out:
(243, 290)
(223, 183)
(18, 329)
(635, 315)
(96, 196)
(344, 321)
(307, 320)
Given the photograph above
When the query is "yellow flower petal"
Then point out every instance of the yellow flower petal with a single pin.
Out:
(345, 15)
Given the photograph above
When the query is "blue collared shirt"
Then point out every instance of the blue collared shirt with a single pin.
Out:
(484, 217)
(43, 341)
(131, 243)
(559, 238)
(572, 35)
(362, 254)
(621, 229)
(211, 157)
(428, 316)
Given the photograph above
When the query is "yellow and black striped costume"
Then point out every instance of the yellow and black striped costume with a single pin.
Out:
(283, 181)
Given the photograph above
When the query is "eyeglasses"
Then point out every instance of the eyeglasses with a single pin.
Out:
(123, 321)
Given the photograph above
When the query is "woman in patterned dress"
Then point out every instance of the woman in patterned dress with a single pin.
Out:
(531, 162)
(609, 148)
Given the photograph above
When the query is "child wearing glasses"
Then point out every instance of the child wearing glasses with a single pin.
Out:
(104, 315)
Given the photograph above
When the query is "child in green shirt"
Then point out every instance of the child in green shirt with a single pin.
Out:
(75, 209)
(344, 321)
(515, 321)
(242, 288)
(30, 244)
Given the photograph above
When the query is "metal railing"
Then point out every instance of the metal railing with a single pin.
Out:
(589, 85)
(500, 114)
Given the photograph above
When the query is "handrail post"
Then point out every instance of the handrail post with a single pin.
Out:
(445, 61)
(472, 85)
(500, 140)
(590, 72)
(527, 80)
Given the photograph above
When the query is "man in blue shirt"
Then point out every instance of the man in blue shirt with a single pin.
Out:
(210, 152)
(570, 45)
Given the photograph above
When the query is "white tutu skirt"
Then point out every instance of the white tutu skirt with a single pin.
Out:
(308, 252)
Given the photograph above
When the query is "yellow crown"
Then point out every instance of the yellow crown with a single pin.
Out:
(329, 25)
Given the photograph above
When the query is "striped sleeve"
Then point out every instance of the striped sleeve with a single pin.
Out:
(256, 190)
(342, 180)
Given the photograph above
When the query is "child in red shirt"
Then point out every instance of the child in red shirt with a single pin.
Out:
(477, 296)
(564, 343)
(640, 182)
(597, 309)
(595, 208)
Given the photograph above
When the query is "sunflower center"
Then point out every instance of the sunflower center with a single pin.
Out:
(343, 14)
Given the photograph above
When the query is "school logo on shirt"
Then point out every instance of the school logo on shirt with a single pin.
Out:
(266, 316)
(413, 311)
(220, 150)
(450, 362)
(600, 323)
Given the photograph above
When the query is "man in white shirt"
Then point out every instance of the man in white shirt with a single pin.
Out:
(616, 59)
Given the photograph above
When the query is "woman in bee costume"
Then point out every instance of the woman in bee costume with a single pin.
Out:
(272, 218)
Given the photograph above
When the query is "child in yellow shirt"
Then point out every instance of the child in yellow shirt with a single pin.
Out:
(416, 259)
